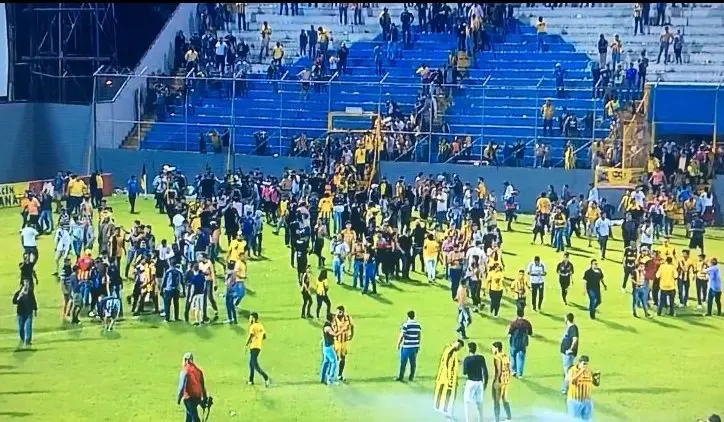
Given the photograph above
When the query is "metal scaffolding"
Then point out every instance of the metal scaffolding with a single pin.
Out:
(60, 46)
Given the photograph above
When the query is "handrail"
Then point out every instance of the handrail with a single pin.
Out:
(540, 82)
(128, 78)
(284, 76)
(424, 138)
(384, 77)
(336, 74)
(575, 151)
(487, 80)
(188, 75)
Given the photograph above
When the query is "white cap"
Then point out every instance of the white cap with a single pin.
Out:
(189, 356)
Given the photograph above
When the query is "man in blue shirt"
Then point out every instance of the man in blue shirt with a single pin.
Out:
(197, 285)
(172, 279)
(132, 189)
(559, 73)
(408, 345)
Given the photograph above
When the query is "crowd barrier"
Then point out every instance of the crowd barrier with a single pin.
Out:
(12, 193)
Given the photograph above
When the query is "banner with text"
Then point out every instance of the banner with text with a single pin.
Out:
(616, 178)
(12, 193)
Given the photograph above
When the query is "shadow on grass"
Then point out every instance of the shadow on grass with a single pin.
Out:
(643, 390)
(696, 320)
(352, 381)
(15, 414)
(411, 281)
(658, 321)
(543, 339)
(617, 326)
(392, 286)
(584, 255)
(24, 392)
(381, 299)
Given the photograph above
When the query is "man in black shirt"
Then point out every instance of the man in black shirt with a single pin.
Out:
(565, 271)
(569, 349)
(418, 239)
(594, 279)
(404, 241)
(629, 264)
(476, 370)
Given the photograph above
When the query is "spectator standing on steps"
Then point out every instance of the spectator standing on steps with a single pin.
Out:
(602, 50)
(265, 32)
(665, 40)
(312, 40)
(343, 53)
(645, 16)
(343, 7)
(643, 67)
(385, 24)
(678, 46)
(660, 14)
(357, 20)
(406, 19)
(638, 22)
(540, 29)
(616, 48)
(303, 42)
(547, 111)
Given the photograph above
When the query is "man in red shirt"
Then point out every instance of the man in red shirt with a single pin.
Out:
(652, 266)
(518, 332)
(192, 388)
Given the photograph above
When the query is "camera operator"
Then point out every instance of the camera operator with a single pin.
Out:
(192, 389)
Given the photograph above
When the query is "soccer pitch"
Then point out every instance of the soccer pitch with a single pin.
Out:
(660, 369)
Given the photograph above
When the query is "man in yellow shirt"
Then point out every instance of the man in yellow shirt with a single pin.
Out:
(593, 213)
(344, 328)
(265, 32)
(543, 205)
(76, 190)
(254, 342)
(540, 29)
(667, 285)
(278, 54)
(667, 250)
(547, 111)
(430, 252)
(206, 266)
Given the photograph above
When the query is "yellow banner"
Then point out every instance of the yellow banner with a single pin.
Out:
(616, 178)
(11, 193)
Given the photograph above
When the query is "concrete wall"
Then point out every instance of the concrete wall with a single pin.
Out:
(529, 182)
(115, 119)
(40, 139)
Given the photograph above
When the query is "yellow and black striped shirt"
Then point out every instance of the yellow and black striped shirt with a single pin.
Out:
(502, 368)
(342, 326)
(580, 383)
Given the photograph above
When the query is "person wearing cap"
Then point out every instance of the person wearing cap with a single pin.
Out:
(580, 387)
(191, 388)
(559, 73)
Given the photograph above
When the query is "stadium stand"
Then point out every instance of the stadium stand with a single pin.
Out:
(698, 23)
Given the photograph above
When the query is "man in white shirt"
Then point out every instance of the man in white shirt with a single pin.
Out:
(476, 251)
(178, 222)
(602, 228)
(220, 54)
(62, 246)
(28, 236)
(339, 250)
(593, 194)
(509, 191)
(536, 275)
(441, 200)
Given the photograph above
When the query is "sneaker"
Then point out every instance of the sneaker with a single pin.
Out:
(267, 382)
(227, 321)
(250, 383)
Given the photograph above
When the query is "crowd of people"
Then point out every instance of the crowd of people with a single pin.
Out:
(373, 236)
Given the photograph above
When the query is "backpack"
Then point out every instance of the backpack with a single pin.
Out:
(519, 339)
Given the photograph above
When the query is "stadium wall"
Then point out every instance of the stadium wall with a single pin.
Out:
(116, 118)
(40, 139)
(687, 109)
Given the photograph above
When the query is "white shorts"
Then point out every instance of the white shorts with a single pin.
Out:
(197, 302)
(473, 392)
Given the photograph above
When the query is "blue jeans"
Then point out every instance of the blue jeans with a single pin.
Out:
(440, 217)
(541, 40)
(337, 268)
(594, 299)
(192, 409)
(337, 221)
(84, 293)
(328, 372)
(129, 259)
(25, 328)
(517, 361)
(408, 354)
(230, 308)
(358, 273)
(77, 244)
(455, 275)
(640, 298)
(46, 221)
(580, 409)
(370, 270)
(558, 239)
(616, 58)
(567, 364)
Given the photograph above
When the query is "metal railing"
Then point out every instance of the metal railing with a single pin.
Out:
(187, 108)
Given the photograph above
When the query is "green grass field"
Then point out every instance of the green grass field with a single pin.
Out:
(662, 369)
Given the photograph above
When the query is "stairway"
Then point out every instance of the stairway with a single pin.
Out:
(701, 25)
(141, 128)
(501, 99)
